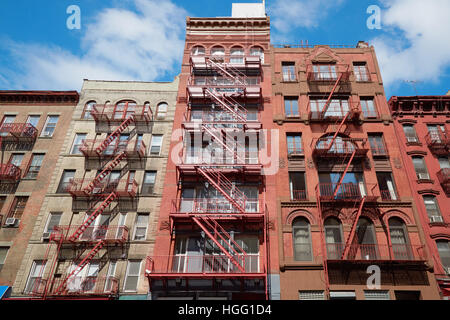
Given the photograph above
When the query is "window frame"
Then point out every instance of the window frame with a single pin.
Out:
(88, 112)
(289, 103)
(148, 185)
(61, 180)
(49, 125)
(294, 227)
(288, 71)
(139, 226)
(152, 146)
(357, 67)
(127, 275)
(72, 148)
(158, 111)
(34, 174)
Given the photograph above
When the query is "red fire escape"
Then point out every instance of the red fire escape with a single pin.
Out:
(98, 195)
(226, 87)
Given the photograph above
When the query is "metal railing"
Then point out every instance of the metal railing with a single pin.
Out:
(334, 72)
(298, 195)
(89, 148)
(92, 233)
(111, 114)
(443, 176)
(394, 252)
(76, 286)
(10, 172)
(123, 188)
(388, 195)
(19, 130)
(340, 147)
(334, 111)
(219, 117)
(214, 205)
(438, 137)
(347, 191)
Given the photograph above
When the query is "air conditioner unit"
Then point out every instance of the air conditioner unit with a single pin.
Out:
(46, 235)
(436, 219)
(411, 139)
(423, 176)
(11, 221)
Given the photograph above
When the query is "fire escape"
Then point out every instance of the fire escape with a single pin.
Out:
(103, 194)
(225, 89)
(14, 136)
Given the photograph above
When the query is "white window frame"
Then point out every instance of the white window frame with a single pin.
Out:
(160, 144)
(46, 125)
(50, 218)
(128, 275)
(161, 115)
(79, 142)
(32, 272)
(136, 226)
(6, 255)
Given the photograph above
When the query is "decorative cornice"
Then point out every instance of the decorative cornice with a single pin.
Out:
(39, 97)
(428, 191)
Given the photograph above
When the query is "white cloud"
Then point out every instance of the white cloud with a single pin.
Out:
(289, 14)
(416, 45)
(119, 44)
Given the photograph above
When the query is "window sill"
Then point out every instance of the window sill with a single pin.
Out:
(420, 181)
(46, 138)
(414, 144)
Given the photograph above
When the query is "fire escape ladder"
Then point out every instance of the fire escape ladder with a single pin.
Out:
(324, 247)
(82, 264)
(222, 69)
(338, 131)
(219, 138)
(343, 174)
(235, 110)
(217, 233)
(351, 237)
(93, 216)
(44, 261)
(236, 197)
(327, 103)
(115, 135)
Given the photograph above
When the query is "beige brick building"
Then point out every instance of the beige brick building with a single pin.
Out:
(98, 220)
(32, 129)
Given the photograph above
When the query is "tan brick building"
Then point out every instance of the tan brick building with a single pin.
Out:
(32, 128)
(98, 219)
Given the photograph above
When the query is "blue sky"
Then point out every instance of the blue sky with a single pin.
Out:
(143, 39)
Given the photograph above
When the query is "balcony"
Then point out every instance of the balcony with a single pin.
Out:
(443, 176)
(194, 118)
(18, 132)
(76, 286)
(93, 149)
(341, 147)
(347, 192)
(388, 195)
(92, 234)
(298, 195)
(182, 207)
(335, 111)
(185, 265)
(123, 188)
(376, 252)
(243, 63)
(10, 173)
(439, 142)
(327, 73)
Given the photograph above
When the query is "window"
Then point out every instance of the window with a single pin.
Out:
(109, 283)
(16, 159)
(66, 177)
(161, 111)
(342, 295)
(311, 295)
(302, 240)
(368, 108)
(297, 185)
(333, 238)
(399, 239)
(140, 226)
(387, 186)
(324, 72)
(237, 55)
(291, 106)
(250, 244)
(88, 109)
(49, 127)
(33, 120)
(124, 109)
(37, 269)
(444, 163)
(294, 144)
(407, 295)
(218, 53)
(132, 275)
(35, 165)
(421, 168)
(4, 128)
(365, 233)
(198, 50)
(336, 108)
(53, 220)
(431, 205)
(360, 71)
(149, 182)
(410, 133)
(288, 70)
(3, 254)
(436, 132)
(443, 247)
(376, 295)
(155, 147)
(257, 51)
(77, 143)
(18, 207)
(2, 203)
(377, 144)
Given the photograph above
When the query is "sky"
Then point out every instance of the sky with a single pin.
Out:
(143, 39)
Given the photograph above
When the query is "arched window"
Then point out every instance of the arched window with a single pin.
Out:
(237, 55)
(161, 111)
(124, 109)
(301, 236)
(443, 247)
(399, 239)
(218, 53)
(198, 50)
(257, 51)
(365, 233)
(88, 109)
(333, 238)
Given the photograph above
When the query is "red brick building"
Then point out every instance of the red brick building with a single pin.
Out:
(216, 235)
(343, 201)
(422, 127)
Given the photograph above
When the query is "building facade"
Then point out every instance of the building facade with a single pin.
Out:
(32, 126)
(216, 235)
(344, 204)
(422, 128)
(97, 223)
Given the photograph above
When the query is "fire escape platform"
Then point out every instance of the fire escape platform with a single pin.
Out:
(250, 169)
